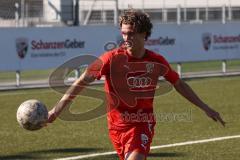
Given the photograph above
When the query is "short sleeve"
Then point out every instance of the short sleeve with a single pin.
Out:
(170, 75)
(101, 66)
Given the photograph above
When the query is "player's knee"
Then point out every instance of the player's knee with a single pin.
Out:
(135, 156)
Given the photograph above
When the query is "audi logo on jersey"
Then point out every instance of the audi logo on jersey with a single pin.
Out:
(139, 82)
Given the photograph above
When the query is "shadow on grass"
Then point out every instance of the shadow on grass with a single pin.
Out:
(166, 154)
(53, 153)
(41, 154)
(151, 155)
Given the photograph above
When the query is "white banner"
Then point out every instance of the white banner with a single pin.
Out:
(43, 48)
(194, 42)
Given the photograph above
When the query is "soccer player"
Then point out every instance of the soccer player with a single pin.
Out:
(131, 75)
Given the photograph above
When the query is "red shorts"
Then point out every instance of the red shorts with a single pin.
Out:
(137, 138)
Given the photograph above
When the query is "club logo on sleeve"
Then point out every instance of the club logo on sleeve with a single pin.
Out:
(21, 47)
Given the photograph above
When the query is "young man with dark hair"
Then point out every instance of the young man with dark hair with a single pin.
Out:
(131, 75)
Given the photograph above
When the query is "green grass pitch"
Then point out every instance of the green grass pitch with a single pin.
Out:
(64, 138)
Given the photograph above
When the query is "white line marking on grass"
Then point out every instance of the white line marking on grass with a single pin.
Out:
(153, 147)
(195, 142)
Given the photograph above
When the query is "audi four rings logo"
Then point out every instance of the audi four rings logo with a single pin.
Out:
(139, 82)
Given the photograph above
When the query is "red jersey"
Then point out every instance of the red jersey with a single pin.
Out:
(130, 84)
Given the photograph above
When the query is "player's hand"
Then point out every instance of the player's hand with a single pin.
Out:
(214, 115)
(52, 115)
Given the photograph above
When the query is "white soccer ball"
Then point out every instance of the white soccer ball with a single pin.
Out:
(32, 114)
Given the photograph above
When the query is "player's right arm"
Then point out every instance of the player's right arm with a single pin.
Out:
(85, 79)
(94, 71)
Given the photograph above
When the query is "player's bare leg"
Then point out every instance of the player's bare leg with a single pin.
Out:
(135, 156)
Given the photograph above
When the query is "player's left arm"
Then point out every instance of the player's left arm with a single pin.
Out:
(186, 91)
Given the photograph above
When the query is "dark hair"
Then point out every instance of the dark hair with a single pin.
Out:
(138, 19)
